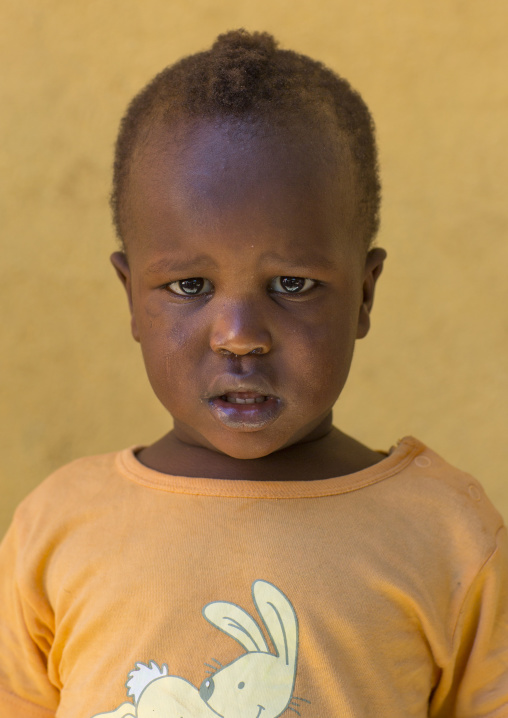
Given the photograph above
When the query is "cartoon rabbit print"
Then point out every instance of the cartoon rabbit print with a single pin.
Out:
(258, 684)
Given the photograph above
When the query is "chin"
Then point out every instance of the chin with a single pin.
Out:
(246, 450)
(251, 445)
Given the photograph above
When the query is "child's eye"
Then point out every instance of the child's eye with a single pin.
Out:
(190, 287)
(292, 285)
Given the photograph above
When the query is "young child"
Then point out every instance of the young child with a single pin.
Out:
(353, 582)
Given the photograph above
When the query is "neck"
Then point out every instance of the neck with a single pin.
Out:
(322, 455)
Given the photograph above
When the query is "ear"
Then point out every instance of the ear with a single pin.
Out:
(238, 624)
(122, 269)
(373, 268)
(279, 618)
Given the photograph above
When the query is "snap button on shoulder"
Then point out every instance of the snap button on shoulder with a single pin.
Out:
(475, 492)
(422, 461)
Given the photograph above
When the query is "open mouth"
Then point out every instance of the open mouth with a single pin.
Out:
(245, 410)
(243, 397)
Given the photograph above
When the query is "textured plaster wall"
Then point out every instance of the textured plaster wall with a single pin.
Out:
(434, 75)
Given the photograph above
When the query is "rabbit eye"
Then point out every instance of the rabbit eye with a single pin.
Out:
(241, 685)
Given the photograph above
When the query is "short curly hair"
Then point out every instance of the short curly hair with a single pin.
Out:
(246, 76)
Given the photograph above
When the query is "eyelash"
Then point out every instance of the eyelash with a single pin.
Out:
(304, 290)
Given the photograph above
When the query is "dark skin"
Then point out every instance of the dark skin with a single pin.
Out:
(248, 288)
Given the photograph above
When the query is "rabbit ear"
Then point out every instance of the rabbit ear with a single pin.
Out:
(279, 618)
(238, 624)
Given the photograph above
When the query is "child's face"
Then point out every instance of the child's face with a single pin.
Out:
(247, 284)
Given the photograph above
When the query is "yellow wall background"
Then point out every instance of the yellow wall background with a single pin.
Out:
(434, 75)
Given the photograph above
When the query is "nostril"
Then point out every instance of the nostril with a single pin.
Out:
(226, 352)
(206, 689)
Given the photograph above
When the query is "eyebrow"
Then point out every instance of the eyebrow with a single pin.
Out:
(202, 262)
(315, 261)
(197, 263)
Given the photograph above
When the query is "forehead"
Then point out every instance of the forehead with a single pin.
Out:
(229, 174)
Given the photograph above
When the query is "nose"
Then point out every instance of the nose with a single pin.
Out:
(240, 329)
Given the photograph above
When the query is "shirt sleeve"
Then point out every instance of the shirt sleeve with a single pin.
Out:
(480, 651)
(26, 690)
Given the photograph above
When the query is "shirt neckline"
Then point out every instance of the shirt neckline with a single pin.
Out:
(400, 456)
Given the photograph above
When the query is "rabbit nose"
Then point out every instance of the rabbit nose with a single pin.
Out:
(206, 689)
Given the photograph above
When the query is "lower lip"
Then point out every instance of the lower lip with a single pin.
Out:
(245, 417)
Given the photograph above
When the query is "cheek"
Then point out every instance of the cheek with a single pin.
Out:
(321, 357)
(165, 323)
(171, 347)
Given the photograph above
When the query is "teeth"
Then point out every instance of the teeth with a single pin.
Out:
(233, 400)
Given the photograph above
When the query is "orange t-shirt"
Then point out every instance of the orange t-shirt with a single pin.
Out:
(128, 592)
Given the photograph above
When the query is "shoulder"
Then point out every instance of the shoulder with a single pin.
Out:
(431, 476)
(82, 476)
(444, 501)
(69, 493)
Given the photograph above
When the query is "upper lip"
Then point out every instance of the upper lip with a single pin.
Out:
(228, 383)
